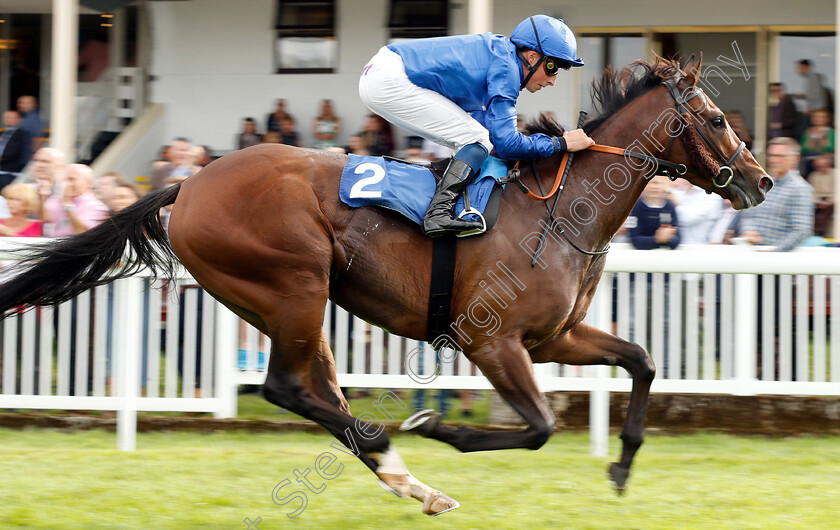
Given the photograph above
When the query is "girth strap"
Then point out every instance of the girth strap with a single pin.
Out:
(440, 290)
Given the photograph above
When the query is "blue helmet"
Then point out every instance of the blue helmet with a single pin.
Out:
(549, 36)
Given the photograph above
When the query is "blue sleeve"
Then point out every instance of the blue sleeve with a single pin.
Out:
(500, 118)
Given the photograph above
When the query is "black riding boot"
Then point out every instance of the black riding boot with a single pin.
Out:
(440, 219)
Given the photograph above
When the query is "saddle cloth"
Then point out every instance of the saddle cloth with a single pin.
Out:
(408, 188)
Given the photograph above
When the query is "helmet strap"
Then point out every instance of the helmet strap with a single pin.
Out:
(532, 69)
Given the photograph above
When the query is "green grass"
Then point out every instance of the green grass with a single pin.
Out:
(190, 480)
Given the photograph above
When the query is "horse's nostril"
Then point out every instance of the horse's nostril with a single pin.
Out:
(765, 184)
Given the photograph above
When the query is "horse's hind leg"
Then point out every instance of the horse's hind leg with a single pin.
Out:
(301, 378)
(585, 345)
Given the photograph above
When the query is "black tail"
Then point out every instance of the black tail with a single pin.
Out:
(57, 271)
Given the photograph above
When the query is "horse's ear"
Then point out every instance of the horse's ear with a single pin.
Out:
(692, 68)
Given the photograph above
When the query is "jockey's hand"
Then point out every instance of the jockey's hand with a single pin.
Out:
(577, 140)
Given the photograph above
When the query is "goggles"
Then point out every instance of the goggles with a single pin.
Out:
(552, 66)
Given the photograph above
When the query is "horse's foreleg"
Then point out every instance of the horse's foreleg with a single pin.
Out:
(508, 367)
(585, 345)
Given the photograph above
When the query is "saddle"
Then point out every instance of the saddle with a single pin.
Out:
(407, 187)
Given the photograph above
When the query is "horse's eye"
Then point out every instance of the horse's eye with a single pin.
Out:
(718, 122)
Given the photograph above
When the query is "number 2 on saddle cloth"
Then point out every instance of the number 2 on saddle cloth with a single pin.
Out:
(408, 188)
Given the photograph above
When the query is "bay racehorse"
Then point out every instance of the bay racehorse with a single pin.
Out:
(263, 230)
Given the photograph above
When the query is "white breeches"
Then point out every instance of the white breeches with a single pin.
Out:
(386, 90)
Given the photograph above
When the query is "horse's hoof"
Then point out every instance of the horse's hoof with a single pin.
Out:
(617, 474)
(423, 422)
(438, 503)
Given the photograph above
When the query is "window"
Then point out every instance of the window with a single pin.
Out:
(306, 36)
(414, 19)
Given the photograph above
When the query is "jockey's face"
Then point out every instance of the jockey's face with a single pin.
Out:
(540, 79)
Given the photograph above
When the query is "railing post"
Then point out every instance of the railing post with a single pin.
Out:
(129, 304)
(226, 347)
(746, 323)
(599, 397)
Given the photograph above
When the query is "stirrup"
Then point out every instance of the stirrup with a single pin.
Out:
(476, 231)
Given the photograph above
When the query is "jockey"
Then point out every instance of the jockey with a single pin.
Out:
(461, 92)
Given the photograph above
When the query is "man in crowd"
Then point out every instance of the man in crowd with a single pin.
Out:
(815, 94)
(31, 120)
(783, 118)
(76, 209)
(786, 218)
(15, 148)
(46, 171)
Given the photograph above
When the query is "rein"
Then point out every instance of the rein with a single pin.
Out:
(664, 167)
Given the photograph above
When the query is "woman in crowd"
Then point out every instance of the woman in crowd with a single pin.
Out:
(326, 126)
(123, 195)
(23, 202)
(375, 136)
(107, 183)
(817, 139)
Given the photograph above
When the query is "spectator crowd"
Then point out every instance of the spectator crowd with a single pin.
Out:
(800, 158)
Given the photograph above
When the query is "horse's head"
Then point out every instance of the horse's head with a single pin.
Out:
(716, 158)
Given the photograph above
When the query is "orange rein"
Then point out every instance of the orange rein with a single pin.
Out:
(562, 169)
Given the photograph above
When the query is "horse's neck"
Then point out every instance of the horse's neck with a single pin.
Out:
(612, 183)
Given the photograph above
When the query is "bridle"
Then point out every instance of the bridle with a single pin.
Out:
(671, 85)
(663, 166)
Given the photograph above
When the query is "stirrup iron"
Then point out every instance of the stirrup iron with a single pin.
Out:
(476, 231)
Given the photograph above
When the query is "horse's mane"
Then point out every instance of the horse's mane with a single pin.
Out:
(615, 89)
(545, 124)
(612, 91)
